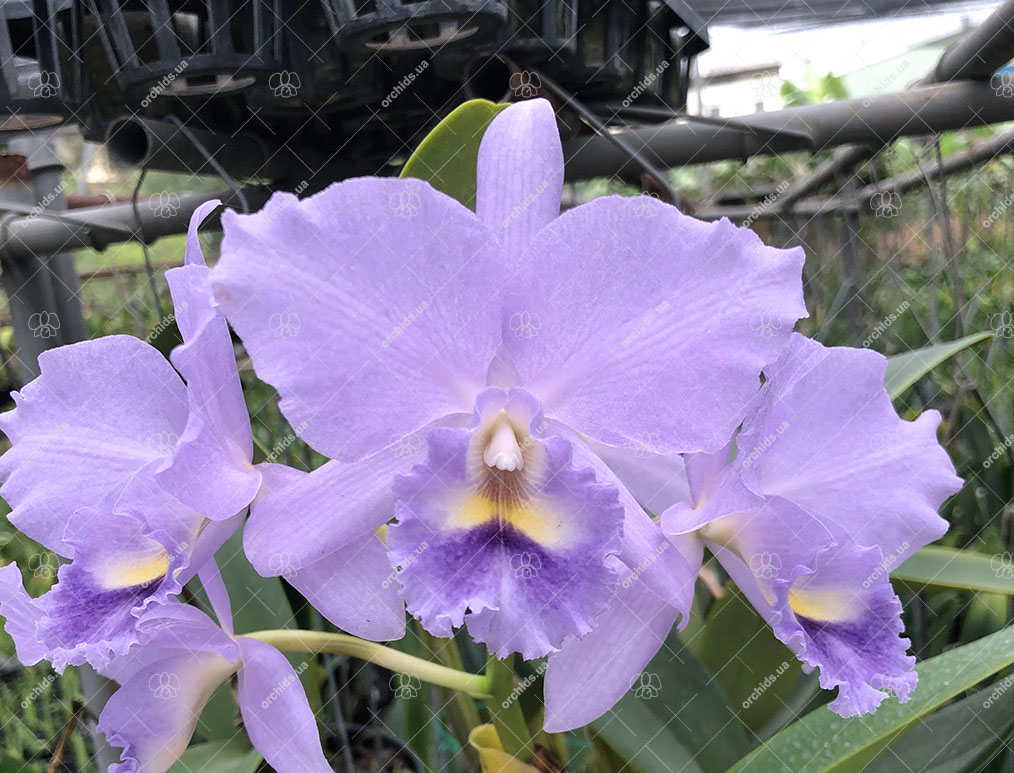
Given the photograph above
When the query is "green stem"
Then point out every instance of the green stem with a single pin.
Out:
(475, 685)
(505, 710)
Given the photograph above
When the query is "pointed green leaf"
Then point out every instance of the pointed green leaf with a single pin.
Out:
(676, 712)
(959, 737)
(755, 671)
(447, 157)
(903, 370)
(823, 741)
(946, 567)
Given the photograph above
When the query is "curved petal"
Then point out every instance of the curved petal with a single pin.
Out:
(276, 713)
(589, 675)
(517, 551)
(845, 619)
(633, 321)
(645, 549)
(826, 437)
(381, 313)
(656, 481)
(355, 588)
(520, 173)
(99, 412)
(211, 470)
(22, 615)
(121, 568)
(153, 715)
(306, 517)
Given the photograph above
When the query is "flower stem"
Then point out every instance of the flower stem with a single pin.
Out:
(505, 710)
(475, 685)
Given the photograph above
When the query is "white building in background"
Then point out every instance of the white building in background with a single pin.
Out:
(732, 91)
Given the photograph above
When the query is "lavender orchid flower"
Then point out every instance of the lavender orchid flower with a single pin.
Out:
(505, 342)
(119, 466)
(166, 684)
(826, 492)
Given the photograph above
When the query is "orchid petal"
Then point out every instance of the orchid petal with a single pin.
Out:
(99, 412)
(667, 350)
(276, 713)
(589, 675)
(520, 173)
(381, 315)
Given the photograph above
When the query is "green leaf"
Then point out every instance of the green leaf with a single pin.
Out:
(641, 741)
(755, 671)
(956, 738)
(823, 741)
(903, 370)
(946, 567)
(676, 709)
(447, 157)
(232, 756)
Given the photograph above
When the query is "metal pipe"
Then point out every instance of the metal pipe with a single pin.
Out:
(982, 51)
(975, 56)
(880, 120)
(97, 227)
(142, 142)
(776, 207)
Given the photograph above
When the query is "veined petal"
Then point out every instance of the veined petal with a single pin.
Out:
(671, 346)
(382, 313)
(645, 549)
(520, 173)
(153, 715)
(502, 530)
(826, 437)
(211, 469)
(121, 568)
(844, 618)
(276, 713)
(343, 572)
(589, 675)
(656, 481)
(99, 412)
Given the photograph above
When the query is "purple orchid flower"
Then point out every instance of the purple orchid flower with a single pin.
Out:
(827, 490)
(166, 684)
(505, 343)
(136, 477)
